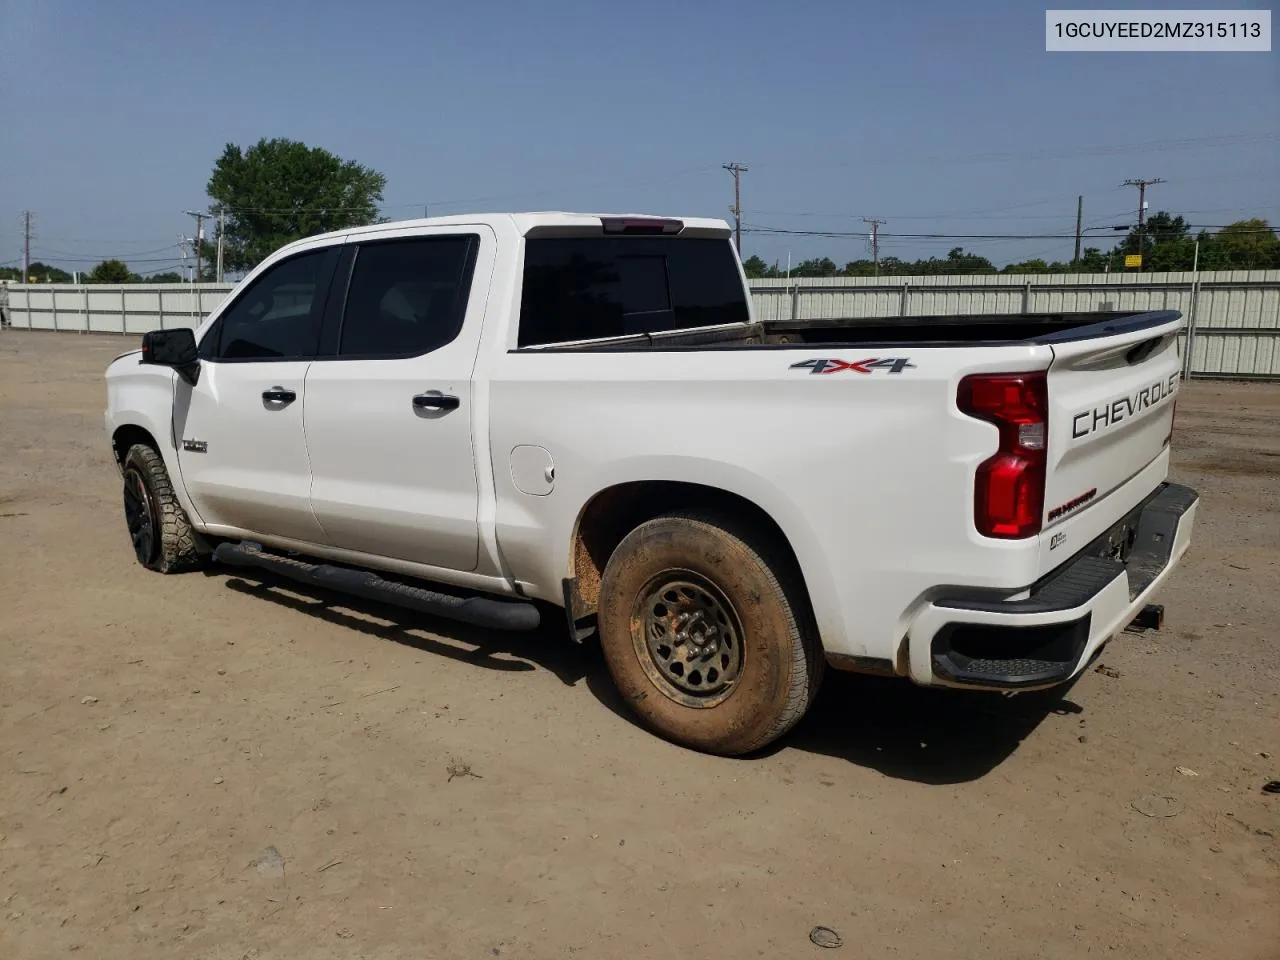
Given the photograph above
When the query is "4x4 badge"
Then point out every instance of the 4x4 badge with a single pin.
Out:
(195, 446)
(870, 365)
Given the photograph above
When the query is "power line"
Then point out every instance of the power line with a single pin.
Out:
(112, 240)
(63, 255)
(491, 198)
(837, 234)
(1053, 153)
(99, 259)
(982, 213)
(648, 178)
(912, 216)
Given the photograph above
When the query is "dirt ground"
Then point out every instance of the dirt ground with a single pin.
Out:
(203, 766)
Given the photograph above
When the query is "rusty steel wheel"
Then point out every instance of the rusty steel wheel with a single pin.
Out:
(690, 644)
(706, 630)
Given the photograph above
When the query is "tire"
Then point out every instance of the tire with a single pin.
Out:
(162, 536)
(707, 633)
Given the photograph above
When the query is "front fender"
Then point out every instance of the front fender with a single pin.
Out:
(142, 396)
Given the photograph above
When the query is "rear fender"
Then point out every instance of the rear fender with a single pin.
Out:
(718, 476)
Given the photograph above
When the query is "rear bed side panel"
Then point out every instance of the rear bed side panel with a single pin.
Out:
(868, 472)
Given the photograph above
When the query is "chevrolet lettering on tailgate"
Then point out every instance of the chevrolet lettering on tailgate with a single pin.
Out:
(1117, 411)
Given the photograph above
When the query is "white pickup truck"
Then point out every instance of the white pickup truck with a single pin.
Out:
(480, 416)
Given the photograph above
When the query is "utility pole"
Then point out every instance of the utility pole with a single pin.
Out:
(1142, 214)
(737, 170)
(875, 242)
(222, 230)
(1075, 261)
(199, 241)
(26, 246)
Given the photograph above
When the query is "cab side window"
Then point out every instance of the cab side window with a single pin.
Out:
(407, 297)
(278, 317)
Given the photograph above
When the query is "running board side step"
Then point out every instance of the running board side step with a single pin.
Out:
(478, 611)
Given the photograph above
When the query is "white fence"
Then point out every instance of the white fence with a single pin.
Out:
(112, 308)
(1234, 316)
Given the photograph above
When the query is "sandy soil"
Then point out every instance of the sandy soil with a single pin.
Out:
(203, 766)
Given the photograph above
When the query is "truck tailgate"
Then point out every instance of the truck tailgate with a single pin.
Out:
(1111, 400)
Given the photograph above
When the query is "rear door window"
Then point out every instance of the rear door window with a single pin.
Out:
(584, 288)
(407, 297)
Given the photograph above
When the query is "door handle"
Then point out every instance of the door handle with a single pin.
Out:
(279, 395)
(435, 401)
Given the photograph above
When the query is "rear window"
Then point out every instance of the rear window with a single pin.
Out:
(584, 288)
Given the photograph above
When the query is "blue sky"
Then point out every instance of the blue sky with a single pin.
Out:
(941, 117)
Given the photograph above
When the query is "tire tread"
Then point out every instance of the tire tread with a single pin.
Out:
(179, 542)
(784, 580)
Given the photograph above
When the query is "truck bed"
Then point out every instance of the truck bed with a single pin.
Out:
(925, 330)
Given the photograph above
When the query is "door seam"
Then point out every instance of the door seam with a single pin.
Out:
(306, 449)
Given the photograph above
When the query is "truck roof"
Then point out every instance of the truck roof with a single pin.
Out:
(527, 222)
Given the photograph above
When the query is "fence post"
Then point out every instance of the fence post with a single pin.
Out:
(902, 300)
(53, 305)
(124, 314)
(1188, 362)
(86, 308)
(160, 306)
(1026, 297)
(795, 301)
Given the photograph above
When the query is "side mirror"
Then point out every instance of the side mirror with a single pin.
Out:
(172, 348)
(169, 348)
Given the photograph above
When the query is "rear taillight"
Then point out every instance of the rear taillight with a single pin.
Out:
(1008, 497)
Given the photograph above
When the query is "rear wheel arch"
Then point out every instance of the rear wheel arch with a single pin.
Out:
(612, 513)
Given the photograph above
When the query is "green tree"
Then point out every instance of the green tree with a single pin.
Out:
(757, 269)
(822, 267)
(110, 271)
(1161, 229)
(1245, 245)
(859, 268)
(39, 273)
(1093, 260)
(169, 276)
(281, 190)
(1175, 254)
(960, 261)
(1027, 266)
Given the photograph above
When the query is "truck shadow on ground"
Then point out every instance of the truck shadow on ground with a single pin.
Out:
(547, 647)
(915, 733)
(889, 725)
